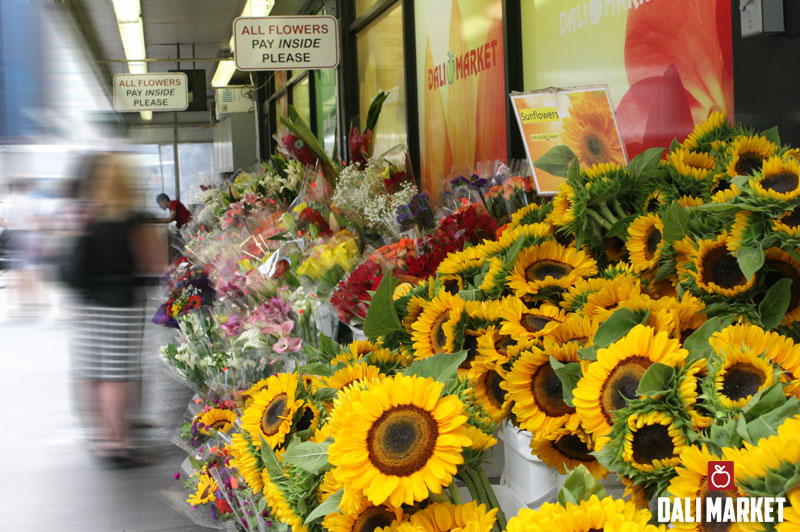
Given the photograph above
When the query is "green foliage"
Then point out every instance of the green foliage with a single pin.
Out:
(441, 367)
(579, 486)
(556, 161)
(382, 317)
(775, 304)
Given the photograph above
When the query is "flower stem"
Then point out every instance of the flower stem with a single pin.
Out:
(501, 517)
(473, 490)
(454, 493)
(618, 208)
(599, 219)
(608, 214)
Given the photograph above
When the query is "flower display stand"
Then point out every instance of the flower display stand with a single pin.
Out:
(531, 480)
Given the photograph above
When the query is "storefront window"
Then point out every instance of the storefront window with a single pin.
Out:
(196, 168)
(157, 175)
(362, 6)
(381, 67)
(325, 86)
(301, 100)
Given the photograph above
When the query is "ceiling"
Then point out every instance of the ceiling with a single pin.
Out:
(172, 29)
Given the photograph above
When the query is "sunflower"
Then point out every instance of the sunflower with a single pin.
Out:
(369, 519)
(494, 346)
(470, 345)
(526, 215)
(495, 277)
(691, 164)
(652, 441)
(615, 250)
(528, 519)
(717, 270)
(247, 395)
(216, 419)
(270, 415)
(575, 328)
(690, 389)
(434, 330)
(591, 134)
(413, 310)
(644, 241)
(480, 440)
(743, 373)
(565, 449)
(690, 201)
(690, 314)
(653, 202)
(351, 373)
(780, 265)
(204, 493)
(775, 347)
(691, 481)
(445, 516)
(660, 313)
(400, 441)
(788, 222)
(746, 155)
(279, 506)
(401, 290)
(518, 321)
(549, 264)
(725, 195)
(308, 417)
(244, 460)
(603, 294)
(714, 128)
(536, 393)
(486, 311)
(615, 375)
(791, 515)
(563, 212)
(529, 234)
(779, 179)
(452, 284)
(594, 514)
(488, 390)
(463, 262)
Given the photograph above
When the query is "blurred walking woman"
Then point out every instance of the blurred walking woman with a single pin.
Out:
(108, 257)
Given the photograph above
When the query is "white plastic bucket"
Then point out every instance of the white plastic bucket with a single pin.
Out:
(533, 481)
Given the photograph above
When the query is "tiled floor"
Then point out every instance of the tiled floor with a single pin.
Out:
(49, 481)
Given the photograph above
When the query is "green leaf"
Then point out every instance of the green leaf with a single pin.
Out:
(375, 110)
(317, 368)
(271, 462)
(330, 506)
(775, 304)
(588, 353)
(326, 394)
(513, 251)
(382, 317)
(328, 346)
(741, 428)
(617, 326)
(655, 380)
(676, 222)
(579, 486)
(772, 135)
(750, 260)
(620, 228)
(647, 160)
(767, 424)
(308, 456)
(697, 343)
(765, 401)
(569, 374)
(441, 367)
(556, 161)
(740, 181)
(674, 145)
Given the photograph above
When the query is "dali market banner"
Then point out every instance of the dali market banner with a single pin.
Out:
(461, 87)
(667, 63)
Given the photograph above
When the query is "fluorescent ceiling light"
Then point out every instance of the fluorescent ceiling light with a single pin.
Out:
(224, 72)
(133, 40)
(127, 10)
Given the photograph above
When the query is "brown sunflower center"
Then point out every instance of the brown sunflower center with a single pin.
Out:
(496, 394)
(781, 183)
(273, 414)
(219, 424)
(651, 242)
(402, 440)
(615, 248)
(471, 347)
(749, 163)
(652, 442)
(621, 384)
(542, 269)
(306, 419)
(438, 336)
(565, 239)
(534, 323)
(452, 286)
(372, 518)
(573, 448)
(206, 491)
(502, 345)
(742, 380)
(780, 270)
(721, 268)
(548, 392)
(594, 145)
(792, 219)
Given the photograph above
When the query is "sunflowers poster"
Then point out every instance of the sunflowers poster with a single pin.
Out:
(667, 63)
(461, 87)
(580, 120)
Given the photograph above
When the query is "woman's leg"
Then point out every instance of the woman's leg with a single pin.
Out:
(113, 403)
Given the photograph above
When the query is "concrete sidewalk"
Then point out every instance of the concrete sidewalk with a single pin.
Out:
(50, 482)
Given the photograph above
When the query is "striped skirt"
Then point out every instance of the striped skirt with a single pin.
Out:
(107, 342)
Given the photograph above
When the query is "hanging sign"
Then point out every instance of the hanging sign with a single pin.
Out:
(134, 93)
(286, 43)
(559, 125)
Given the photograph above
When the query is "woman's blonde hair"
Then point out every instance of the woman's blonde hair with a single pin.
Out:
(112, 184)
